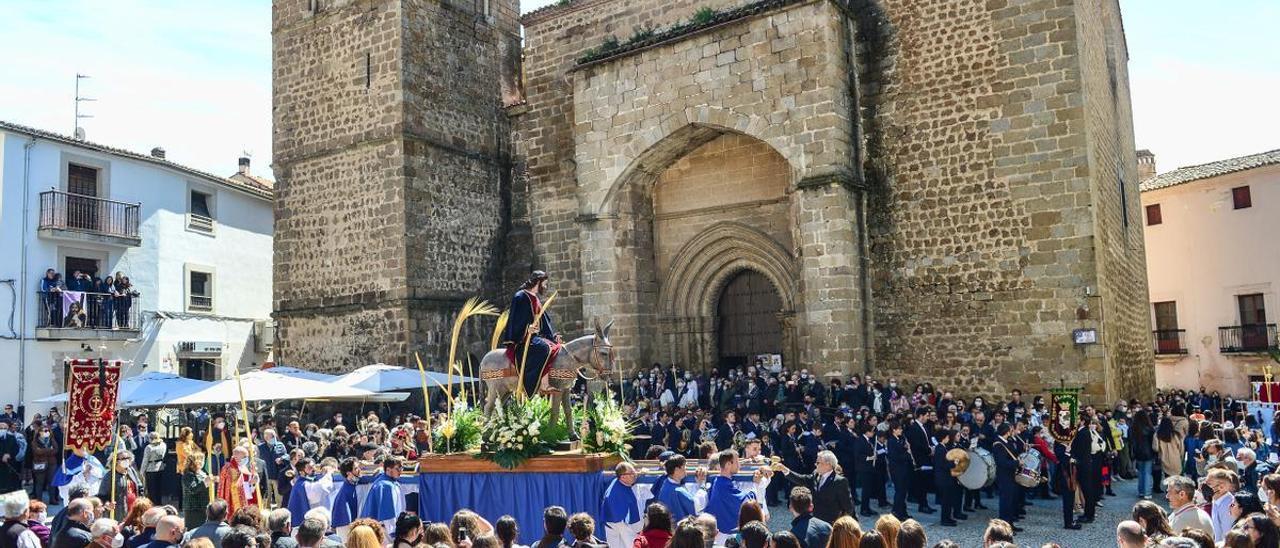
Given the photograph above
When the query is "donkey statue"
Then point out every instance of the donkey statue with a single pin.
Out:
(590, 352)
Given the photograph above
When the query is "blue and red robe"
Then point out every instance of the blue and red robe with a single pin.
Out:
(542, 346)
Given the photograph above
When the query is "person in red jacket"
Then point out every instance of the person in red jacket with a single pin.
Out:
(657, 533)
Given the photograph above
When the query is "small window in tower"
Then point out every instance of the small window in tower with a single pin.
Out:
(1240, 197)
(1153, 215)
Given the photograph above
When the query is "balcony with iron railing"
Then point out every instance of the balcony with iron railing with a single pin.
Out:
(75, 217)
(85, 315)
(1169, 341)
(1247, 338)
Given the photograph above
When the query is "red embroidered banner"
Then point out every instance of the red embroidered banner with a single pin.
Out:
(91, 403)
(1266, 392)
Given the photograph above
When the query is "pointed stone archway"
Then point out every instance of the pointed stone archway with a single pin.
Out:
(692, 289)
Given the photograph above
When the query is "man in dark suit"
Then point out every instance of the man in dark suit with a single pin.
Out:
(864, 466)
(948, 486)
(900, 467)
(811, 531)
(724, 436)
(919, 435)
(1006, 467)
(1086, 448)
(829, 490)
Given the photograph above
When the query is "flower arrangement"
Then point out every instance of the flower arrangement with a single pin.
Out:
(459, 432)
(606, 428)
(514, 432)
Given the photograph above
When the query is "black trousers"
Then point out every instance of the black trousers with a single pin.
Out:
(1008, 498)
(1068, 506)
(865, 481)
(901, 485)
(920, 488)
(948, 498)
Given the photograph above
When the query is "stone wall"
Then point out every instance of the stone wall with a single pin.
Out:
(393, 173)
(980, 141)
(1114, 177)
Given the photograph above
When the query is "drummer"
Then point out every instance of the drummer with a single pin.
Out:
(1006, 467)
(947, 484)
(972, 497)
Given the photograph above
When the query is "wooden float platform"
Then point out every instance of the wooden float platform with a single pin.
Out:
(565, 462)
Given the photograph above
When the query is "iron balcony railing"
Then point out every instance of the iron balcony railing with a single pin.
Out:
(1169, 341)
(85, 310)
(88, 214)
(1247, 338)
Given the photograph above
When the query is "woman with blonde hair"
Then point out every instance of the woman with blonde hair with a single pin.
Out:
(362, 536)
(195, 488)
(845, 533)
(888, 526)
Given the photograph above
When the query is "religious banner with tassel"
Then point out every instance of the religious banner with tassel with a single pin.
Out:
(91, 403)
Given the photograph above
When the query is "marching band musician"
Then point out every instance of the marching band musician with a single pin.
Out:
(972, 497)
(1064, 482)
(880, 480)
(901, 466)
(919, 440)
(948, 486)
(864, 466)
(1006, 468)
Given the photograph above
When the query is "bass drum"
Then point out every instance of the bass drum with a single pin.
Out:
(982, 470)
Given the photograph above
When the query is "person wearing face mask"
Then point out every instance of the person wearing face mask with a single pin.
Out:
(106, 534)
(44, 460)
(13, 449)
(76, 533)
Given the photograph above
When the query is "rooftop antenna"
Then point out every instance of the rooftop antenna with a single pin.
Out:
(79, 132)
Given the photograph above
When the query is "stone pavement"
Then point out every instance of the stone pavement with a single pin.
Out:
(1043, 523)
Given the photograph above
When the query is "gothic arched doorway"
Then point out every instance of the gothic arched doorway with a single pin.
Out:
(748, 319)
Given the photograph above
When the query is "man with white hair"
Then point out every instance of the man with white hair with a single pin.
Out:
(238, 481)
(14, 532)
(1129, 534)
(1251, 471)
(103, 533)
(832, 497)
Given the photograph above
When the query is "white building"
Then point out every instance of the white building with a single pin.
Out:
(1213, 265)
(195, 246)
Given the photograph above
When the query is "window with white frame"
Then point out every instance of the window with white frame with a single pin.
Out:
(200, 211)
(199, 289)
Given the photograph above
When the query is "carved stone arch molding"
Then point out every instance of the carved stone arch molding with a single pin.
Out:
(690, 291)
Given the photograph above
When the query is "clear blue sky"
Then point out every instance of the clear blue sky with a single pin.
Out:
(195, 77)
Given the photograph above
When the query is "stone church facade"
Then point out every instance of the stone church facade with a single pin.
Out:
(938, 191)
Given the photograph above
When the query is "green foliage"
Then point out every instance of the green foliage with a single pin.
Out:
(518, 430)
(460, 434)
(609, 44)
(642, 33)
(703, 16)
(563, 2)
(606, 429)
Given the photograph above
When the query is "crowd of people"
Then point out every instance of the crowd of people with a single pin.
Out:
(103, 303)
(857, 461)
